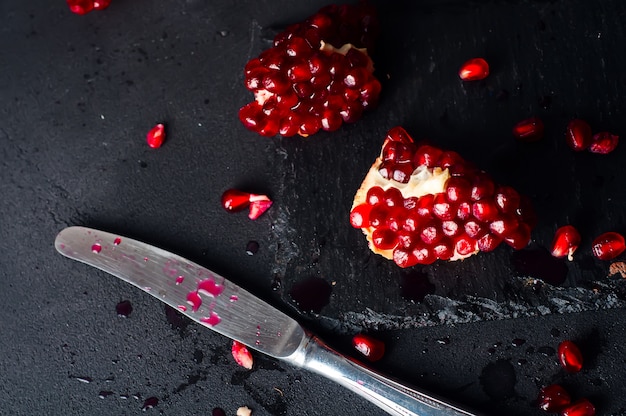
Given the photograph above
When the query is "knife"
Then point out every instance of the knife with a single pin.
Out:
(216, 303)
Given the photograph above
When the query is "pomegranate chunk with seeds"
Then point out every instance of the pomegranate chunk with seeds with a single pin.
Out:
(608, 246)
(242, 355)
(553, 398)
(234, 200)
(578, 135)
(317, 75)
(603, 143)
(566, 241)
(440, 208)
(474, 70)
(570, 357)
(529, 130)
(371, 348)
(582, 407)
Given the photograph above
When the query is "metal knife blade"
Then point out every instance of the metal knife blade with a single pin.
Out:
(226, 308)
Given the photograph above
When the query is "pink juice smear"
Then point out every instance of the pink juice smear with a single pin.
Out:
(182, 308)
(194, 300)
(180, 279)
(211, 320)
(96, 248)
(117, 241)
(234, 298)
(209, 287)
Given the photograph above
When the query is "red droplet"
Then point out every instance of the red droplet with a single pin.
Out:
(80, 6)
(566, 241)
(474, 70)
(211, 320)
(156, 136)
(608, 246)
(603, 143)
(582, 407)
(570, 357)
(194, 300)
(553, 398)
(242, 355)
(372, 348)
(101, 4)
(117, 241)
(210, 287)
(529, 130)
(96, 248)
(578, 135)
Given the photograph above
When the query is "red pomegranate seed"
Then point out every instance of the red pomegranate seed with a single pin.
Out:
(582, 407)
(529, 130)
(384, 239)
(444, 249)
(474, 70)
(458, 189)
(359, 216)
(404, 257)
(475, 229)
(519, 238)
(608, 246)
(565, 242)
(393, 197)
(371, 348)
(423, 254)
(464, 211)
(235, 200)
(399, 134)
(396, 218)
(430, 232)
(578, 135)
(242, 355)
(258, 205)
(442, 208)
(485, 210)
(375, 195)
(464, 245)
(155, 136)
(488, 242)
(482, 186)
(570, 357)
(553, 398)
(101, 4)
(603, 143)
(425, 206)
(450, 228)
(504, 225)
(80, 6)
(507, 199)
(427, 155)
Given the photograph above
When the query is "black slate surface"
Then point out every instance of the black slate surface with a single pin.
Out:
(78, 94)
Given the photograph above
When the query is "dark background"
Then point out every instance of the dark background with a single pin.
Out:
(79, 93)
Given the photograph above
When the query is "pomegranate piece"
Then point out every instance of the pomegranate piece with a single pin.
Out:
(566, 241)
(553, 398)
(242, 355)
(156, 136)
(474, 70)
(440, 208)
(529, 130)
(234, 200)
(371, 348)
(608, 246)
(578, 135)
(582, 407)
(570, 357)
(317, 75)
(603, 143)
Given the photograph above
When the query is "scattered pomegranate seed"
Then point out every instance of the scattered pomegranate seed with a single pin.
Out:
(582, 407)
(578, 135)
(156, 136)
(529, 130)
(603, 143)
(608, 246)
(242, 355)
(372, 348)
(570, 357)
(474, 70)
(80, 6)
(234, 200)
(566, 241)
(553, 398)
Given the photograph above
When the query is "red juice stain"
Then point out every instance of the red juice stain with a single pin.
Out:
(194, 300)
(117, 241)
(209, 287)
(234, 298)
(124, 308)
(96, 248)
(180, 280)
(311, 294)
(212, 319)
(149, 403)
(540, 264)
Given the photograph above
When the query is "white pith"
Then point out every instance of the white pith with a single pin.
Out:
(423, 181)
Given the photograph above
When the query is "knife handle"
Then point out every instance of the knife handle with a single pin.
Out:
(391, 396)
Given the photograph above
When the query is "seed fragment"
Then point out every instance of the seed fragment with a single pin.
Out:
(582, 407)
(565, 242)
(529, 130)
(578, 135)
(242, 355)
(371, 348)
(553, 398)
(474, 70)
(608, 246)
(570, 357)
(603, 143)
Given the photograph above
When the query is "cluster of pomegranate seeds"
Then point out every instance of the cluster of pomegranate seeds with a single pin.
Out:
(421, 203)
(608, 246)
(566, 241)
(85, 6)
(474, 70)
(234, 200)
(242, 355)
(156, 136)
(529, 130)
(579, 137)
(315, 77)
(371, 348)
